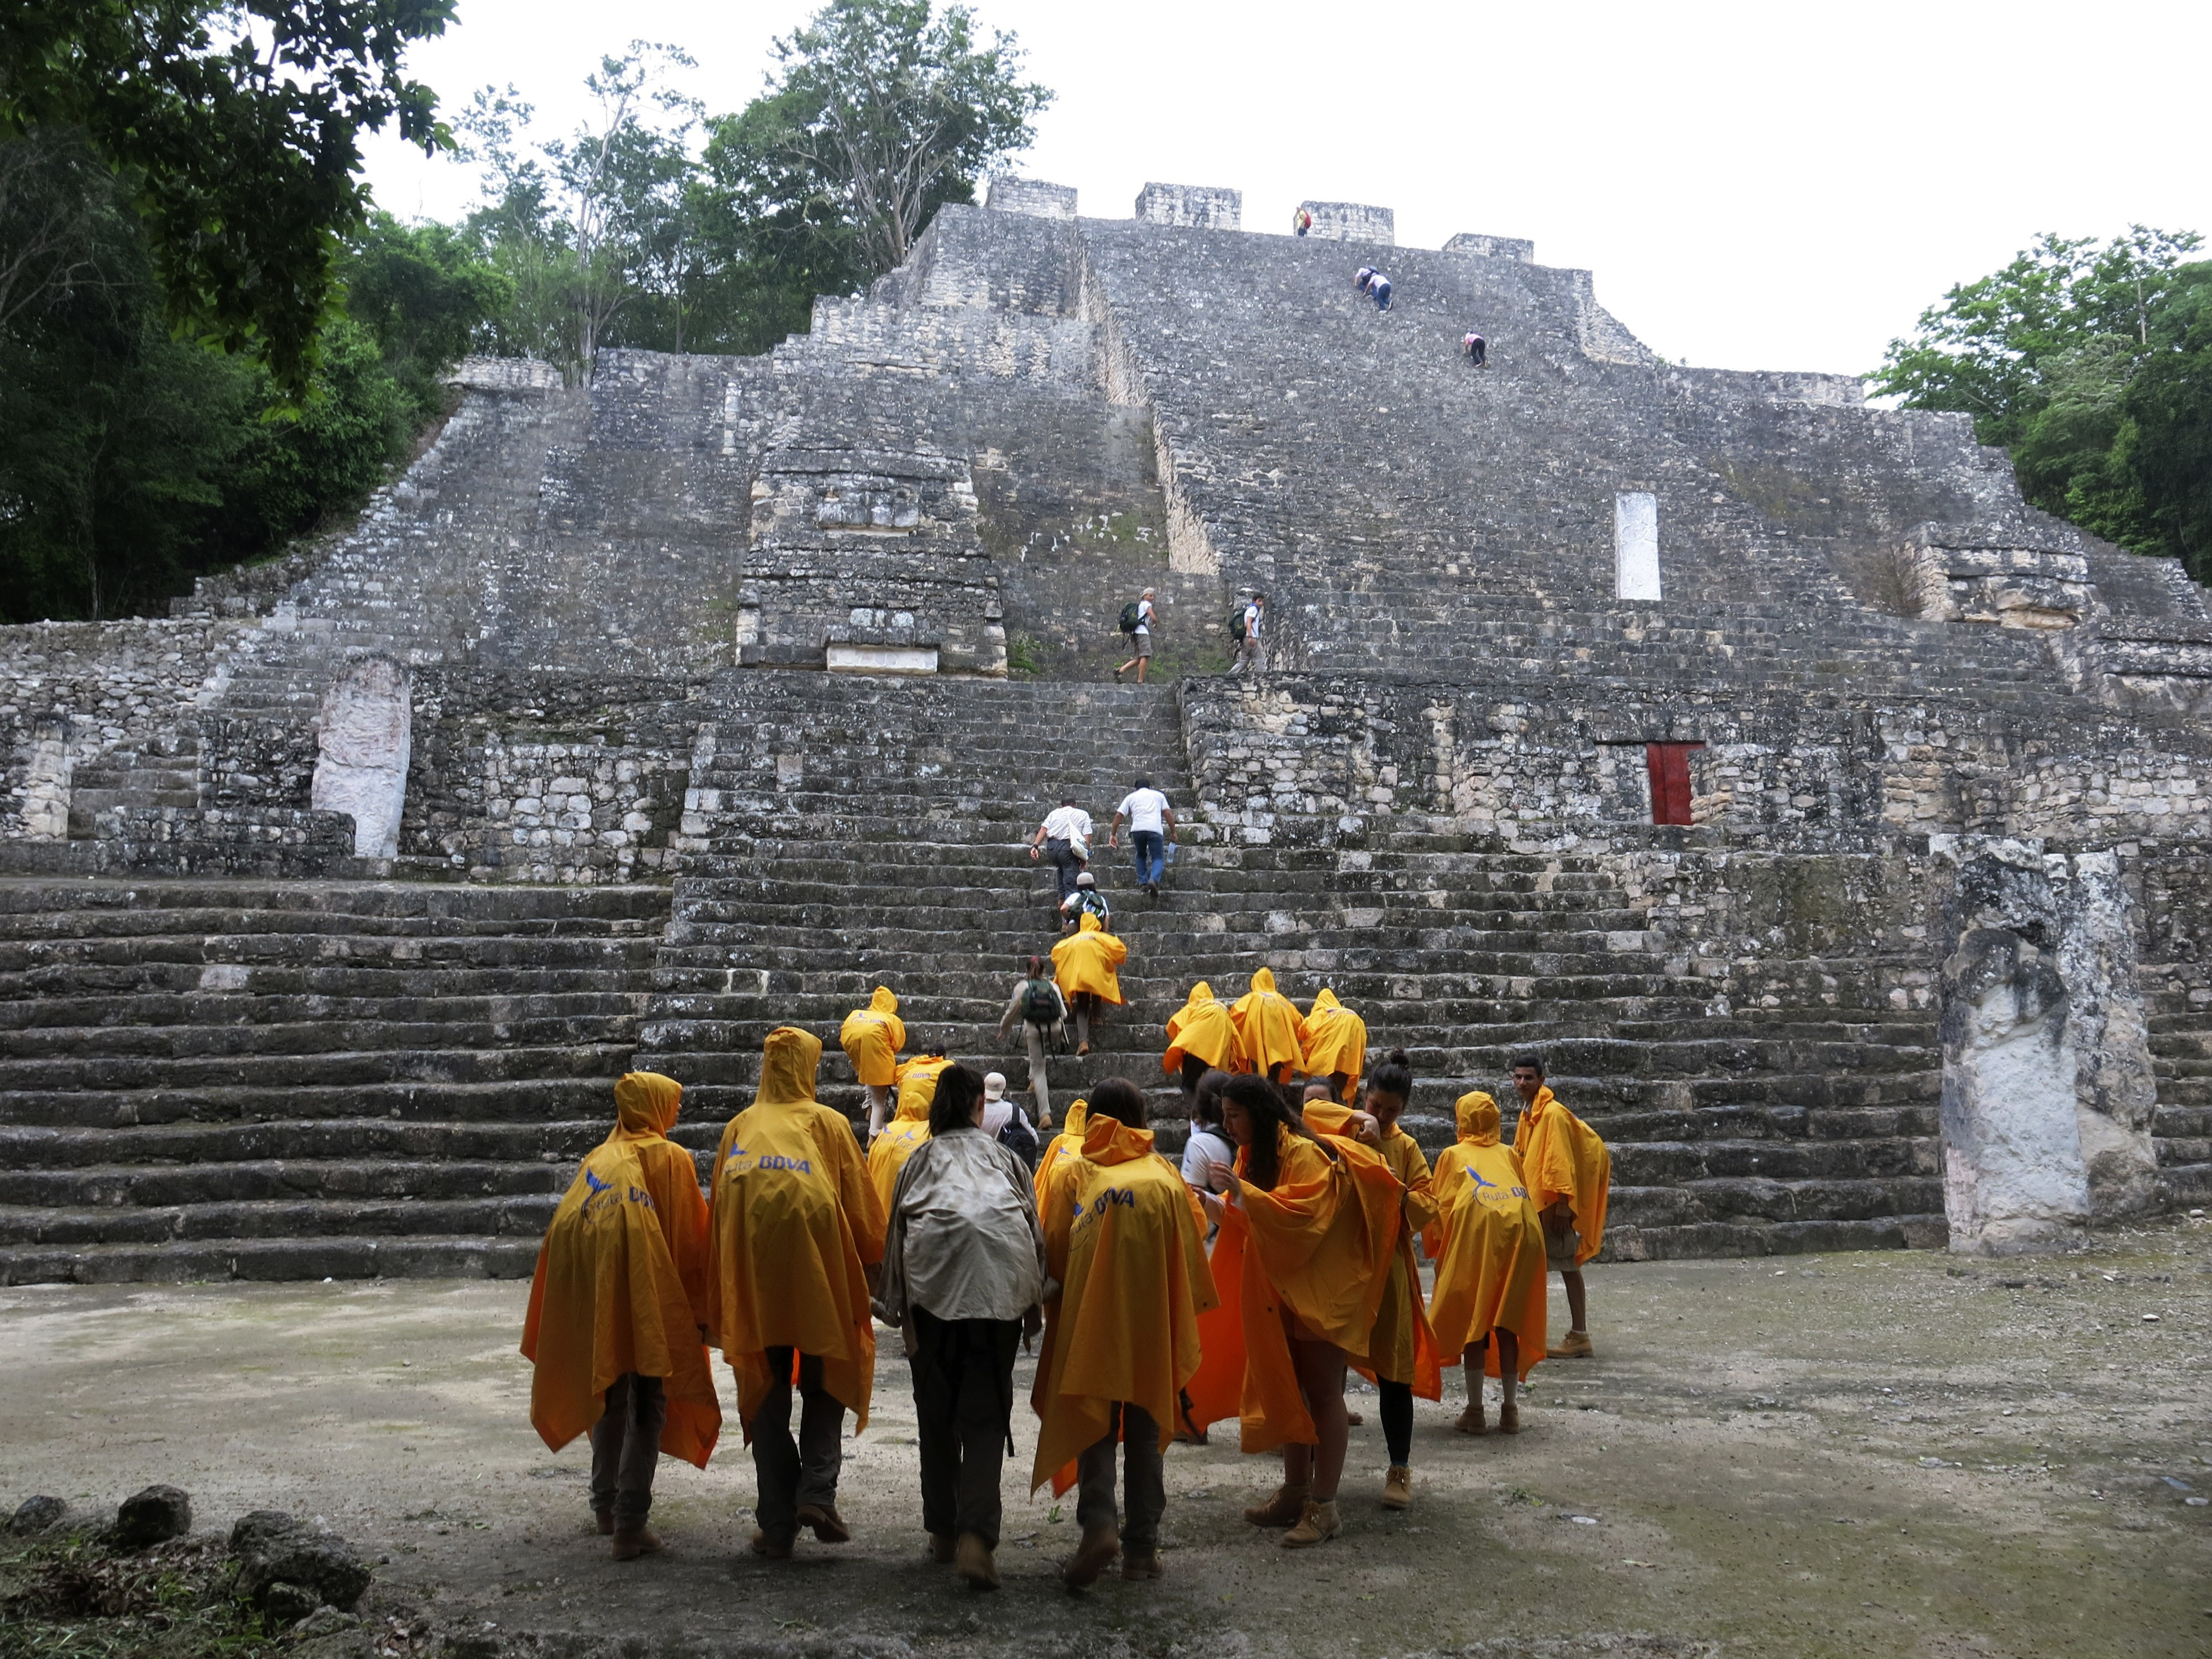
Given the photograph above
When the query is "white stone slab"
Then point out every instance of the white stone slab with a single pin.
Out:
(883, 658)
(1636, 545)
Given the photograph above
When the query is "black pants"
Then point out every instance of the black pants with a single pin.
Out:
(1144, 1492)
(804, 1472)
(964, 1402)
(625, 1450)
(1397, 1414)
(1193, 1069)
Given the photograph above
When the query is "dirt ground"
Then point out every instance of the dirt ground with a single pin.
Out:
(1855, 1455)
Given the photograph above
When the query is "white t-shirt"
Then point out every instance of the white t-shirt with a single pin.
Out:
(1071, 824)
(1251, 622)
(1143, 807)
(1206, 1146)
(1144, 615)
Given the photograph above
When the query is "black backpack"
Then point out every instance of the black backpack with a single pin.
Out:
(1237, 626)
(1019, 1137)
(1131, 619)
(1040, 1005)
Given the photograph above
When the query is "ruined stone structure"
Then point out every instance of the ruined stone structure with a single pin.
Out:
(1838, 826)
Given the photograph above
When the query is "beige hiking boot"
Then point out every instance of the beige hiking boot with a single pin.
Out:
(1508, 1419)
(1283, 1510)
(1146, 1564)
(1092, 1557)
(942, 1548)
(1470, 1421)
(1317, 1525)
(1575, 1345)
(1398, 1487)
(828, 1526)
(628, 1545)
(973, 1562)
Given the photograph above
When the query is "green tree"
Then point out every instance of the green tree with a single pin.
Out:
(238, 123)
(425, 294)
(2085, 361)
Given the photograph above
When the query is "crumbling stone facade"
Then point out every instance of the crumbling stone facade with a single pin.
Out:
(1837, 825)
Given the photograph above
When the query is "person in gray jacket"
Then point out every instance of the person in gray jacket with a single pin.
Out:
(963, 1278)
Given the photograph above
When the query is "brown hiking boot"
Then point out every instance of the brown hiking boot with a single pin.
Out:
(1355, 1418)
(628, 1545)
(604, 1521)
(1146, 1564)
(775, 1546)
(973, 1561)
(1508, 1419)
(1470, 1421)
(1398, 1487)
(829, 1526)
(1283, 1510)
(1316, 1526)
(1575, 1345)
(942, 1546)
(1092, 1557)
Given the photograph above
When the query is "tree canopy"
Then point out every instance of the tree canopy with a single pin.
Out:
(238, 125)
(2092, 363)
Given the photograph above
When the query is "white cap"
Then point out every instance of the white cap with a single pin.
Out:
(994, 1085)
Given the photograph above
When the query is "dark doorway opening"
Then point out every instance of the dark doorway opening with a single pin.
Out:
(1669, 765)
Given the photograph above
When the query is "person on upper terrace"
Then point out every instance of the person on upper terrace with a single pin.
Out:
(1301, 222)
(1137, 617)
(1248, 638)
(1085, 901)
(1475, 349)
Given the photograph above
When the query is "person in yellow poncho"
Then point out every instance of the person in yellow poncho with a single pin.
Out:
(1202, 1038)
(618, 1311)
(889, 1151)
(1083, 966)
(1125, 1242)
(1488, 1243)
(1570, 1175)
(872, 1038)
(1404, 1359)
(1335, 1045)
(1271, 1033)
(796, 1232)
(1303, 1259)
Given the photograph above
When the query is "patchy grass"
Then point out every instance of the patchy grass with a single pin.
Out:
(72, 1598)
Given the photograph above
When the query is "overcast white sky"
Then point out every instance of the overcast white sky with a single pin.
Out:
(1773, 185)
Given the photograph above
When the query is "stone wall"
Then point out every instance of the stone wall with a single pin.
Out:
(1201, 205)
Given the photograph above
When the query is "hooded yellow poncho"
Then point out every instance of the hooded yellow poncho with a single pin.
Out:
(622, 1281)
(1270, 1031)
(795, 1222)
(1400, 1348)
(1335, 1041)
(872, 1038)
(1487, 1243)
(1059, 1150)
(908, 1127)
(1086, 960)
(1125, 1239)
(1562, 1156)
(1201, 1028)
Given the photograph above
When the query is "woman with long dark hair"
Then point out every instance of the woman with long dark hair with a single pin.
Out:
(1304, 1257)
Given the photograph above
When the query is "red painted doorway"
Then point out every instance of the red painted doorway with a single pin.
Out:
(1669, 765)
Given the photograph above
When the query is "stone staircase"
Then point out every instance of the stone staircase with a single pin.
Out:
(307, 1079)
(840, 845)
(162, 773)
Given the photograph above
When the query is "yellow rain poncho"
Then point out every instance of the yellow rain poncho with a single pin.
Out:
(872, 1038)
(795, 1225)
(908, 1127)
(1126, 1240)
(1401, 1347)
(1086, 960)
(1310, 1259)
(1060, 1149)
(1270, 1031)
(1487, 1243)
(622, 1281)
(1201, 1028)
(1335, 1041)
(1561, 1157)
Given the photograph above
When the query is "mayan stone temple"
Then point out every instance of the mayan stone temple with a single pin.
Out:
(1836, 824)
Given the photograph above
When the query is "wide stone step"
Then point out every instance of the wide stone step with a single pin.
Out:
(427, 1256)
(335, 1069)
(524, 1099)
(433, 1141)
(291, 1178)
(522, 1025)
(521, 1217)
(99, 1019)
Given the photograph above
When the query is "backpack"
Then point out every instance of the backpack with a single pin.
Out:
(1040, 1005)
(1019, 1137)
(1131, 619)
(1237, 626)
(1089, 901)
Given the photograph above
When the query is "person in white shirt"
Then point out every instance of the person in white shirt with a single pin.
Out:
(1248, 648)
(1207, 1154)
(1140, 640)
(1152, 826)
(1064, 837)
